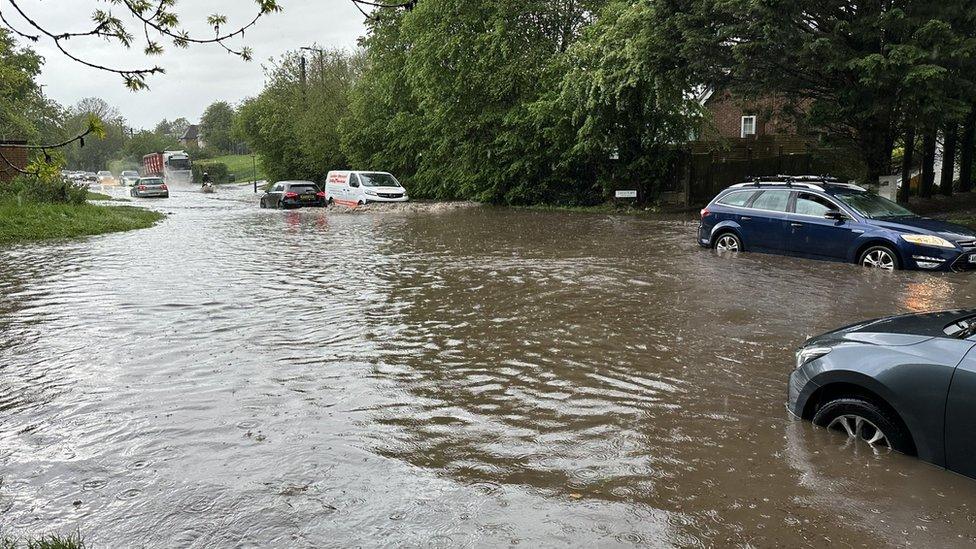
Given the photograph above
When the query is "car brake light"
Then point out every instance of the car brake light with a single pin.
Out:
(320, 194)
(142, 187)
(704, 212)
(291, 195)
(164, 187)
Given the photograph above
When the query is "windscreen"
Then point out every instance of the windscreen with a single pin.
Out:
(873, 206)
(378, 180)
(151, 182)
(179, 163)
(962, 328)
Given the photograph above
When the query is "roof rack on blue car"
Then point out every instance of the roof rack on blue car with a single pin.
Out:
(815, 182)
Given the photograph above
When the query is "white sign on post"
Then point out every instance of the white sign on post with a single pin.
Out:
(626, 194)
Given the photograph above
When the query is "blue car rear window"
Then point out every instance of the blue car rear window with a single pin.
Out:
(736, 198)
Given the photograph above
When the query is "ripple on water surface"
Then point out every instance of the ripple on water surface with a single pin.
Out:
(439, 377)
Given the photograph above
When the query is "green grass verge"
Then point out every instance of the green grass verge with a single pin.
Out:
(238, 164)
(29, 221)
(71, 541)
(98, 196)
(965, 222)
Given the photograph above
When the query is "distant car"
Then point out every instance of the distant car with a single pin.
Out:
(89, 177)
(904, 382)
(129, 177)
(149, 187)
(106, 178)
(821, 218)
(293, 194)
(355, 188)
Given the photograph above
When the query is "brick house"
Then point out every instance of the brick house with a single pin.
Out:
(12, 155)
(749, 128)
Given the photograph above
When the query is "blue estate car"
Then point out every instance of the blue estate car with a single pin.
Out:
(822, 218)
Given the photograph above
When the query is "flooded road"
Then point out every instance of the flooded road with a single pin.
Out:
(237, 377)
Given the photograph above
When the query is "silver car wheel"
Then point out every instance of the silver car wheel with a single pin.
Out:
(727, 243)
(879, 259)
(860, 428)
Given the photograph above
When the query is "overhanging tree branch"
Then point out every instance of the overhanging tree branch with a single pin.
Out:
(154, 16)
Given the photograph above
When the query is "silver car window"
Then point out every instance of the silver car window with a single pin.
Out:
(738, 198)
(775, 201)
(811, 204)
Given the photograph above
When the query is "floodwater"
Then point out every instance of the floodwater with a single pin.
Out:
(237, 377)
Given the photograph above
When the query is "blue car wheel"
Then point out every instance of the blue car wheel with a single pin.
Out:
(728, 242)
(879, 257)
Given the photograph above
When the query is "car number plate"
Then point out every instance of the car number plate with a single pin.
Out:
(972, 258)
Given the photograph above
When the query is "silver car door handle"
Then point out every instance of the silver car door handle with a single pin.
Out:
(794, 224)
(745, 218)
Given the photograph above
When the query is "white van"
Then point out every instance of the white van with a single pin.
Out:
(355, 188)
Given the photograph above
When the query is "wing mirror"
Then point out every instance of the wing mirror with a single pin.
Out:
(835, 215)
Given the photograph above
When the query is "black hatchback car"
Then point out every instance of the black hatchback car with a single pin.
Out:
(905, 382)
(293, 194)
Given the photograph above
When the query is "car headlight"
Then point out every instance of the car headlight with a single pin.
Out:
(807, 354)
(370, 193)
(927, 240)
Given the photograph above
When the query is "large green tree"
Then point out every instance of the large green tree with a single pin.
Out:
(95, 154)
(455, 96)
(216, 126)
(294, 123)
(25, 113)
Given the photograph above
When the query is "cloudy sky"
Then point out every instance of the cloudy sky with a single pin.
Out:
(195, 77)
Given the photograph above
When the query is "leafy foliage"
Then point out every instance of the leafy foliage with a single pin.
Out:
(216, 126)
(860, 71)
(146, 142)
(25, 113)
(217, 170)
(519, 102)
(45, 185)
(94, 154)
(295, 126)
(153, 22)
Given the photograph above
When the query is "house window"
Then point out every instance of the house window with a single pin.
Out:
(748, 126)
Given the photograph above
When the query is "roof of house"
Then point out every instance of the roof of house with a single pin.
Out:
(192, 132)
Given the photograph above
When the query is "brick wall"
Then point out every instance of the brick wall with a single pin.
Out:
(14, 155)
(727, 112)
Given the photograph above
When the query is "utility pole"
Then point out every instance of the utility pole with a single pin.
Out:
(321, 53)
(303, 76)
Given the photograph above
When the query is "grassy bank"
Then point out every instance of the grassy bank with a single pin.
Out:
(240, 165)
(71, 541)
(32, 221)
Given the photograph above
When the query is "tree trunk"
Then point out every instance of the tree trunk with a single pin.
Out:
(928, 163)
(966, 154)
(878, 163)
(949, 158)
(905, 191)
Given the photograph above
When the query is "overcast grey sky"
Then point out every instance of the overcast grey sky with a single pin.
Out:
(196, 76)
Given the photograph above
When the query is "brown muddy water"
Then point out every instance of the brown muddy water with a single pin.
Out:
(454, 377)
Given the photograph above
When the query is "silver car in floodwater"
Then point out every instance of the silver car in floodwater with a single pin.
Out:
(149, 187)
(905, 383)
